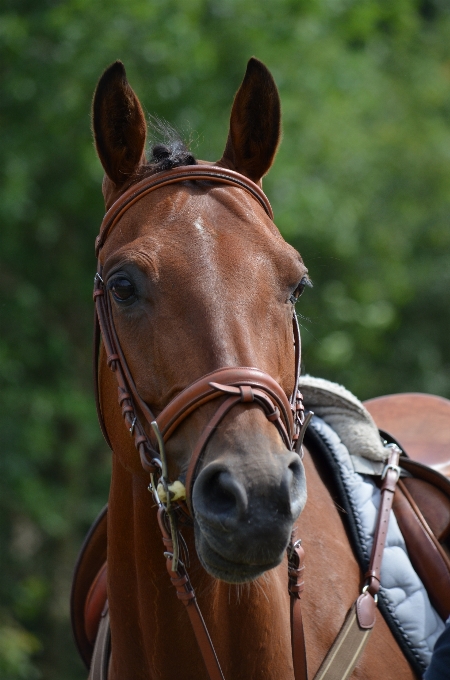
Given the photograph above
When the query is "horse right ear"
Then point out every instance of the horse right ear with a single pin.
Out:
(118, 124)
(255, 124)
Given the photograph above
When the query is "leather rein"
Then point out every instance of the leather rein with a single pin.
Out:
(233, 385)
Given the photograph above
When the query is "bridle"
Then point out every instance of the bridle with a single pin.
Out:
(234, 385)
(239, 384)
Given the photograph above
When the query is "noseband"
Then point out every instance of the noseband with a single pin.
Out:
(237, 385)
(230, 386)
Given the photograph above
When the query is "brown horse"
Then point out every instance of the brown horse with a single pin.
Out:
(199, 278)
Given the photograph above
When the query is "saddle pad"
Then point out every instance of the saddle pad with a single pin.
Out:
(403, 600)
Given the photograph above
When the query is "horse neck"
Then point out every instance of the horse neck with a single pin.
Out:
(151, 633)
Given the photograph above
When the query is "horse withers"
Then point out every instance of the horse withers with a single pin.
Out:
(199, 290)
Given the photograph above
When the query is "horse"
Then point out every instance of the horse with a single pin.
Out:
(200, 282)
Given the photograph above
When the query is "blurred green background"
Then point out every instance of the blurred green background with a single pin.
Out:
(361, 187)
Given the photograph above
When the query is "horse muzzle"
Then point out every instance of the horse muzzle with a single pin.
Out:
(244, 513)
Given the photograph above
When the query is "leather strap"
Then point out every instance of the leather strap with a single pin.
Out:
(95, 359)
(390, 478)
(249, 391)
(186, 594)
(427, 555)
(227, 381)
(296, 586)
(127, 392)
(102, 648)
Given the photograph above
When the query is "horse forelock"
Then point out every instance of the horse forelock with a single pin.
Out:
(168, 149)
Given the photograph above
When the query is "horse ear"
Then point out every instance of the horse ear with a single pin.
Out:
(255, 124)
(118, 124)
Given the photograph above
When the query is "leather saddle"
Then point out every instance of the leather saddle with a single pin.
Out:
(420, 424)
(89, 595)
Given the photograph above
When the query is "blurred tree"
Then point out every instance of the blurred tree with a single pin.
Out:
(361, 186)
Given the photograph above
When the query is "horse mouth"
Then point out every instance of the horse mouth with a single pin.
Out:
(230, 571)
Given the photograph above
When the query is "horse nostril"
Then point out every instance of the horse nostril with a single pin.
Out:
(296, 485)
(296, 467)
(218, 496)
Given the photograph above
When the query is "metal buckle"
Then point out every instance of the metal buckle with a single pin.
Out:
(152, 488)
(167, 506)
(390, 466)
(375, 597)
(392, 447)
(291, 548)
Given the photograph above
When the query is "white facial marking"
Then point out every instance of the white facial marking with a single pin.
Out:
(199, 226)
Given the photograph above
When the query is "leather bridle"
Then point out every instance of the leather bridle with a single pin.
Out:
(239, 384)
(234, 385)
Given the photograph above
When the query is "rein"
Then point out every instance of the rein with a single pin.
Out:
(234, 385)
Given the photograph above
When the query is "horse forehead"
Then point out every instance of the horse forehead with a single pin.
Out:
(196, 224)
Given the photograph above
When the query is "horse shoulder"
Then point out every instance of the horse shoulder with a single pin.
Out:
(333, 581)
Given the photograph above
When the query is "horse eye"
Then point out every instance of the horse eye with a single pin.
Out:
(305, 282)
(122, 289)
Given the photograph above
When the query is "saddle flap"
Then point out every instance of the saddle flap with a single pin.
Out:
(90, 561)
(95, 604)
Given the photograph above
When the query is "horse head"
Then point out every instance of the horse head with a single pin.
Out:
(198, 279)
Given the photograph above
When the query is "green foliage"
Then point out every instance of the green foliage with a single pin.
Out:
(361, 186)
(17, 646)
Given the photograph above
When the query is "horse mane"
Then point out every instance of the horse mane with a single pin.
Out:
(167, 147)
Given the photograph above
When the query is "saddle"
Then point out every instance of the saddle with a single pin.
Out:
(420, 425)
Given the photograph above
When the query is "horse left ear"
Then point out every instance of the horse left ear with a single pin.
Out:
(255, 124)
(118, 124)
